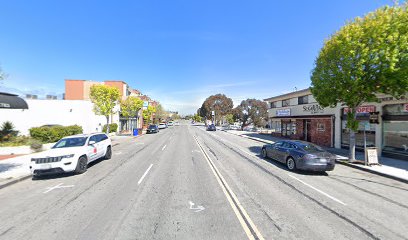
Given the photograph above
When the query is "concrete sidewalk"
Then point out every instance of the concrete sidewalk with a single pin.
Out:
(390, 167)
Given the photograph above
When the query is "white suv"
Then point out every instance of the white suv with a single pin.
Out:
(72, 154)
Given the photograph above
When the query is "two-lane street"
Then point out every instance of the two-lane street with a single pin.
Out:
(187, 183)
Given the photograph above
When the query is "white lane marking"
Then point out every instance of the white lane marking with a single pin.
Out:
(195, 209)
(231, 197)
(164, 147)
(144, 175)
(57, 186)
(320, 191)
(118, 153)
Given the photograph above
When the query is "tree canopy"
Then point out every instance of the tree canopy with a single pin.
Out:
(105, 99)
(160, 114)
(221, 104)
(147, 114)
(131, 106)
(252, 111)
(367, 56)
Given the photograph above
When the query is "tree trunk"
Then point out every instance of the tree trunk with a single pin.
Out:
(107, 124)
(352, 141)
(352, 153)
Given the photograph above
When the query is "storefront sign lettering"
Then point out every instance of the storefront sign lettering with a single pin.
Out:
(4, 105)
(362, 109)
(283, 112)
(316, 108)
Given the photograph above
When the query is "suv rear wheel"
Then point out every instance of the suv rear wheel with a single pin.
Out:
(108, 153)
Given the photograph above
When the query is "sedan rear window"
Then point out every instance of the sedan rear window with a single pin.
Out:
(311, 148)
(70, 142)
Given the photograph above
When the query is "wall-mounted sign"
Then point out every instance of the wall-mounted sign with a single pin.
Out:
(315, 108)
(374, 117)
(362, 109)
(283, 112)
(405, 108)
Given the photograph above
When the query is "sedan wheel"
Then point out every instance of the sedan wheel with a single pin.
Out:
(290, 163)
(82, 165)
(264, 154)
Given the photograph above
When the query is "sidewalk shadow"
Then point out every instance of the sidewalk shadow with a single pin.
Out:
(8, 166)
(257, 150)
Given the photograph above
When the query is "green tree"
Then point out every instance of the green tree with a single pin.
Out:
(197, 118)
(147, 114)
(131, 106)
(366, 56)
(230, 118)
(252, 111)
(219, 103)
(105, 99)
(160, 113)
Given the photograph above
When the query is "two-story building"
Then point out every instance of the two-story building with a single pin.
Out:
(382, 124)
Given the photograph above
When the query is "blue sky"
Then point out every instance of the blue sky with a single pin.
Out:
(178, 52)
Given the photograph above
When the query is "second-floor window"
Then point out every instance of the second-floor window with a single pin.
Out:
(303, 100)
(273, 104)
(285, 102)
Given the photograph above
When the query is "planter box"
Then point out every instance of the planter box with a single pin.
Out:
(22, 149)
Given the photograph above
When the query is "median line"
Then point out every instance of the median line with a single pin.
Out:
(246, 222)
(319, 191)
(164, 147)
(144, 175)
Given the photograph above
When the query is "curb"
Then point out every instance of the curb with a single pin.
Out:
(372, 171)
(341, 162)
(20, 179)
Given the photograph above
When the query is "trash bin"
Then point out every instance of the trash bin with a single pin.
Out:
(135, 132)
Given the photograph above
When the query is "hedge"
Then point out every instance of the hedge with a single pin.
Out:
(113, 127)
(54, 133)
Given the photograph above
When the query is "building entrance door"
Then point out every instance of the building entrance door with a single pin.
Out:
(307, 132)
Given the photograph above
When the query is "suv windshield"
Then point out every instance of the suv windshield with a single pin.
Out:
(152, 126)
(70, 142)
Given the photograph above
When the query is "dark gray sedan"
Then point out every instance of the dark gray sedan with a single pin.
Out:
(300, 155)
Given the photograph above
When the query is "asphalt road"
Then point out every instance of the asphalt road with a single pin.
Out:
(186, 183)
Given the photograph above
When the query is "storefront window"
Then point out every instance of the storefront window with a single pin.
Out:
(395, 129)
(289, 128)
(370, 135)
(396, 136)
(276, 126)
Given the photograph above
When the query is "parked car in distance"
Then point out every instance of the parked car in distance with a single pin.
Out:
(72, 154)
(162, 126)
(301, 155)
(170, 123)
(152, 129)
(176, 124)
(211, 127)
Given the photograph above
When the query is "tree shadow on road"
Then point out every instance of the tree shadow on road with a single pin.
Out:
(8, 166)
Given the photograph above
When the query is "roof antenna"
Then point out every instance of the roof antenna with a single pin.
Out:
(295, 89)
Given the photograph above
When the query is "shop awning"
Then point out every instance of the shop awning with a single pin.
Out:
(12, 101)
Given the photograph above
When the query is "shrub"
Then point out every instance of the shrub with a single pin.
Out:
(113, 127)
(7, 131)
(54, 133)
(36, 145)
